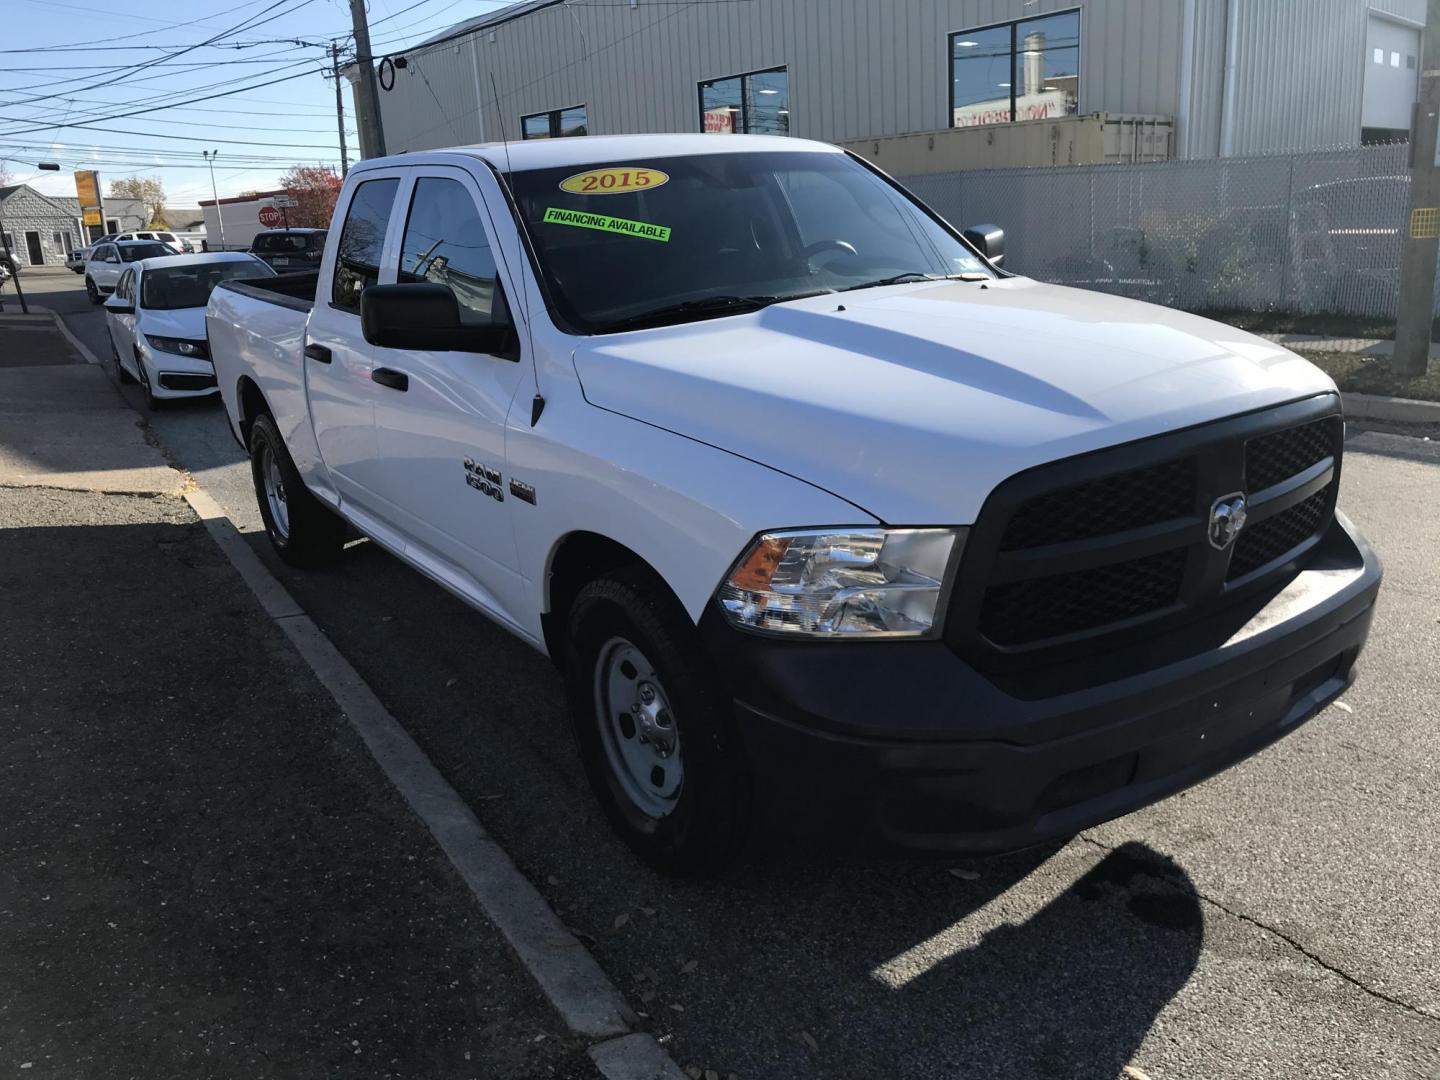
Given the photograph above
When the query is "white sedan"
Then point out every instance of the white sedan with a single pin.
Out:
(156, 319)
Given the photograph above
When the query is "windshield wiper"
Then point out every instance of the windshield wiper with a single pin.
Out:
(915, 275)
(698, 309)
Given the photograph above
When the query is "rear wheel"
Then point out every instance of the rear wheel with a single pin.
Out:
(302, 529)
(654, 726)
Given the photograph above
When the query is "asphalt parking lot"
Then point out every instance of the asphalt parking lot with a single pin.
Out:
(1280, 920)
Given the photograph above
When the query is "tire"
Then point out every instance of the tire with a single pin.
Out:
(152, 403)
(691, 817)
(302, 530)
(120, 373)
(92, 292)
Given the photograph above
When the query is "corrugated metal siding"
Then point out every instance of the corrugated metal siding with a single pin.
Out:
(857, 67)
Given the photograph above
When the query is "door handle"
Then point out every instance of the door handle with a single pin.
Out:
(396, 380)
(319, 353)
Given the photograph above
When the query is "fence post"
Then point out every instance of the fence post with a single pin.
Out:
(1289, 237)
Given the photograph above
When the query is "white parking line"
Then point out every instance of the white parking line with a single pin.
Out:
(588, 1002)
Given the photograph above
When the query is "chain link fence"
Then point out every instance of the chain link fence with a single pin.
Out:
(1312, 233)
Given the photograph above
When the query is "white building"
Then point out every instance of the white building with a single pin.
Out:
(988, 81)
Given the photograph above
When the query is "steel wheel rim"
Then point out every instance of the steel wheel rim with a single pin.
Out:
(274, 485)
(637, 729)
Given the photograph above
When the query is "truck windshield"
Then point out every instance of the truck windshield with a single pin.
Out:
(629, 244)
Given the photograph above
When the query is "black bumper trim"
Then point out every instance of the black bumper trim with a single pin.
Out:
(955, 764)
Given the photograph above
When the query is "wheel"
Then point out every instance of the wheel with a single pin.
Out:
(120, 372)
(92, 292)
(152, 403)
(654, 727)
(303, 530)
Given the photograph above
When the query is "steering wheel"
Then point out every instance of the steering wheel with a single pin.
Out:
(821, 246)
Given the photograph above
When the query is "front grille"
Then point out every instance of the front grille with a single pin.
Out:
(179, 380)
(1051, 607)
(1273, 458)
(1114, 547)
(1128, 500)
(1270, 539)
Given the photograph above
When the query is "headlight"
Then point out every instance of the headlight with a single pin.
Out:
(182, 346)
(843, 582)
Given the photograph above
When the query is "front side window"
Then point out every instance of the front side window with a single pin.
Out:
(357, 261)
(445, 243)
(556, 124)
(757, 103)
(1025, 70)
(685, 238)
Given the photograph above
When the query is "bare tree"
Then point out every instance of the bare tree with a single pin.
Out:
(145, 188)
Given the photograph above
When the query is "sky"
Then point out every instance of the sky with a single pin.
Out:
(66, 64)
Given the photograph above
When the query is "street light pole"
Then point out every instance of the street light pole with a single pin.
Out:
(209, 156)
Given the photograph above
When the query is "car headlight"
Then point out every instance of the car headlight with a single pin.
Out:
(181, 346)
(843, 582)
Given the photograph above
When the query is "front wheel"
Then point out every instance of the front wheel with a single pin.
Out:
(92, 292)
(303, 530)
(120, 372)
(654, 727)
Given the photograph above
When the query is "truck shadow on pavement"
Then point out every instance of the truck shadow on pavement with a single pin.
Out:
(1053, 962)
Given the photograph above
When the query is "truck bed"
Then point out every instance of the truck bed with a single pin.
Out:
(294, 291)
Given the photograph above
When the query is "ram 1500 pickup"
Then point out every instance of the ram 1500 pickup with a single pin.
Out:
(831, 524)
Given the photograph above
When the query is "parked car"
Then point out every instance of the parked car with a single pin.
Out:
(831, 525)
(166, 237)
(156, 321)
(107, 261)
(75, 260)
(289, 250)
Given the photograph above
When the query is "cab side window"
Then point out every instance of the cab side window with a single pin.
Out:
(445, 243)
(362, 239)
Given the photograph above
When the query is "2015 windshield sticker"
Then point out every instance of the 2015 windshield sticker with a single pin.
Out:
(613, 181)
(580, 219)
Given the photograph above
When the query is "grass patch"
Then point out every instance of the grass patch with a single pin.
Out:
(1359, 374)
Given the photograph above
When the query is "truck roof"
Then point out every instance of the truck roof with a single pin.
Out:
(519, 156)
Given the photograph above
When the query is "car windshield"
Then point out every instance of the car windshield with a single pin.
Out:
(189, 286)
(131, 252)
(280, 243)
(639, 243)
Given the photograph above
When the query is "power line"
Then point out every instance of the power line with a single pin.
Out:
(127, 15)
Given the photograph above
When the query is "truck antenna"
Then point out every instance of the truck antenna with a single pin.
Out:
(537, 403)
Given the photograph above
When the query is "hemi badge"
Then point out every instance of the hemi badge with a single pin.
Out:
(522, 491)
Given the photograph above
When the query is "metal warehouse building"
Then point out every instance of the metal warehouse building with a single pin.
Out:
(923, 85)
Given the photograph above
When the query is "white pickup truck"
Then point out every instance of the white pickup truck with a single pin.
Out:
(832, 525)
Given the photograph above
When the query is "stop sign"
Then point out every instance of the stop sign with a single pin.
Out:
(270, 217)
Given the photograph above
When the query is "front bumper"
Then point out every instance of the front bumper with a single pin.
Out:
(902, 744)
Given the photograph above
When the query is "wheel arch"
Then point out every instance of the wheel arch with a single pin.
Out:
(252, 403)
(576, 559)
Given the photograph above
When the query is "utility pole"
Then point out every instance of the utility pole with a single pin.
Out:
(1422, 238)
(210, 156)
(369, 92)
(14, 261)
(339, 107)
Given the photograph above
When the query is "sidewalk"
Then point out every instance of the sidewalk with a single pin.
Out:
(202, 871)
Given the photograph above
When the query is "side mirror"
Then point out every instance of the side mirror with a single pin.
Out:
(424, 315)
(989, 240)
(117, 305)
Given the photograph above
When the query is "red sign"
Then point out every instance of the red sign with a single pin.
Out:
(270, 217)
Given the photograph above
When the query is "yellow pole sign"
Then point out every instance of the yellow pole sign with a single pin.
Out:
(87, 188)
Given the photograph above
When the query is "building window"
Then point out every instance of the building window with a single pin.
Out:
(556, 124)
(1024, 70)
(756, 103)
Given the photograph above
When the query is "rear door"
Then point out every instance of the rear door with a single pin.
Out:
(442, 437)
(337, 361)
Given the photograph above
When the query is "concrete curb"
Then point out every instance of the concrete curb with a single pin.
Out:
(1396, 410)
(75, 343)
(582, 994)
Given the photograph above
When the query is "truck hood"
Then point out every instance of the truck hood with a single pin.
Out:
(914, 401)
